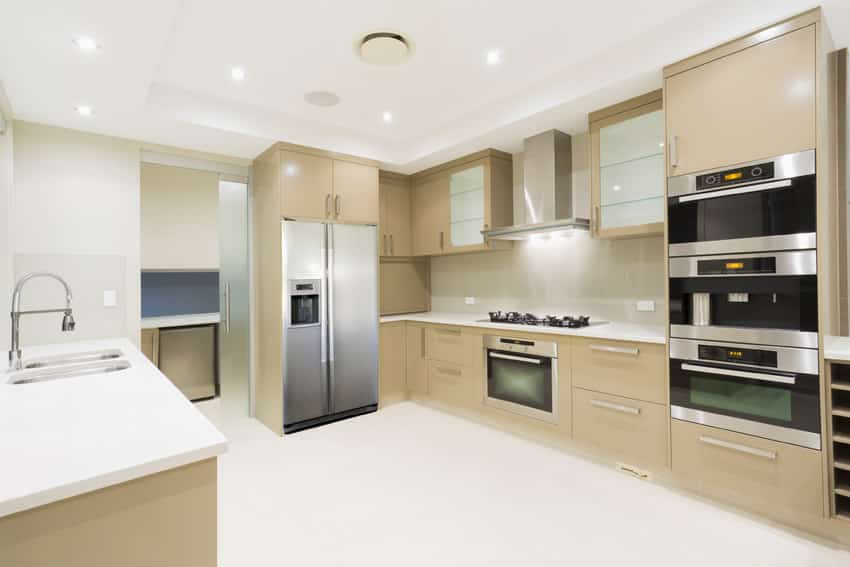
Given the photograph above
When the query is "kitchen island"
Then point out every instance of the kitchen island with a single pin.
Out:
(105, 469)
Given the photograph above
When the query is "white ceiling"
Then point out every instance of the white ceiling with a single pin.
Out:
(163, 74)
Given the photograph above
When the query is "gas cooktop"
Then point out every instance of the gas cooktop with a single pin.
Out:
(516, 318)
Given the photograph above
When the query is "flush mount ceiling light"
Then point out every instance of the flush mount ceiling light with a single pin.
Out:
(322, 98)
(387, 116)
(86, 44)
(494, 57)
(384, 48)
(83, 110)
(237, 74)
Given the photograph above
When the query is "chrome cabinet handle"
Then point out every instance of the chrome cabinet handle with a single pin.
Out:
(615, 407)
(328, 205)
(595, 219)
(516, 358)
(616, 350)
(674, 151)
(740, 373)
(227, 307)
(769, 455)
(337, 201)
(448, 371)
(385, 245)
(392, 248)
(441, 239)
(736, 191)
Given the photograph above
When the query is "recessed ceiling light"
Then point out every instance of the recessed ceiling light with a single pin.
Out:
(86, 44)
(83, 110)
(322, 98)
(237, 74)
(494, 57)
(387, 116)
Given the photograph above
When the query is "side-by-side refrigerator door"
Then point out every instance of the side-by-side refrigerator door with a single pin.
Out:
(304, 348)
(353, 306)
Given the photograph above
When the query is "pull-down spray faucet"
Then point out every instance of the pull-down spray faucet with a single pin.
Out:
(68, 323)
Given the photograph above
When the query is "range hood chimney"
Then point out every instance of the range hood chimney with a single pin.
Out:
(547, 192)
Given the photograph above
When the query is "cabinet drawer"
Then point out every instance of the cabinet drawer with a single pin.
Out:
(453, 384)
(774, 478)
(451, 344)
(632, 370)
(631, 431)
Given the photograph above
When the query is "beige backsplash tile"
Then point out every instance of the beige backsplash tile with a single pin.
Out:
(577, 275)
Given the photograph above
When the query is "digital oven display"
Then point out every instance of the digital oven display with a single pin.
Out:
(733, 176)
(764, 265)
(741, 355)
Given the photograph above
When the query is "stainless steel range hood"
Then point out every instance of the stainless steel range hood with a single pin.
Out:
(546, 204)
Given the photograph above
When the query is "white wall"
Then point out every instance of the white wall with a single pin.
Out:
(77, 194)
(560, 276)
(6, 166)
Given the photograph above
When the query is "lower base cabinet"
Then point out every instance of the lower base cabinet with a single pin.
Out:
(453, 384)
(632, 431)
(777, 479)
(391, 364)
(416, 364)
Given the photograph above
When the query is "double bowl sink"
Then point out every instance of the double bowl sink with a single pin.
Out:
(69, 365)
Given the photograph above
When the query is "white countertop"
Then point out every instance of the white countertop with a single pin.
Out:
(836, 348)
(611, 330)
(70, 436)
(180, 320)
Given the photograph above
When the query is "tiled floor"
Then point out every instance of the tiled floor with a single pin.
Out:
(413, 486)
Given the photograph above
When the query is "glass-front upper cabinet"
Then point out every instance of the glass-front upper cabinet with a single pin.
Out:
(466, 205)
(627, 168)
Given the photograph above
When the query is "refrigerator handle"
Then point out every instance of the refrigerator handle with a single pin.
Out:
(330, 315)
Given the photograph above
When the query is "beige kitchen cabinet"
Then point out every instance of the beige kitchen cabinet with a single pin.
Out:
(452, 203)
(454, 385)
(453, 345)
(150, 345)
(621, 368)
(394, 225)
(777, 479)
(632, 432)
(355, 192)
(405, 285)
(391, 363)
(306, 186)
(627, 168)
(747, 100)
(416, 363)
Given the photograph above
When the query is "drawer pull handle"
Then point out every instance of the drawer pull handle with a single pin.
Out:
(616, 350)
(769, 455)
(516, 358)
(448, 371)
(740, 373)
(616, 407)
(455, 332)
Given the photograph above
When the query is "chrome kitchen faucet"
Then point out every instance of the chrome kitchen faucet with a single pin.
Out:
(68, 323)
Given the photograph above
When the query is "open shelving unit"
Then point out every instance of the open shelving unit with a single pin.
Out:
(840, 441)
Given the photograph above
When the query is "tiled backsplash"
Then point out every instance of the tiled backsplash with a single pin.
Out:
(574, 275)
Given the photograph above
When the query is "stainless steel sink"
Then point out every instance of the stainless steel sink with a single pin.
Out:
(45, 374)
(72, 358)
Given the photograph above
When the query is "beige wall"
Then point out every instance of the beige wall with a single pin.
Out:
(77, 194)
(179, 211)
(576, 275)
(6, 162)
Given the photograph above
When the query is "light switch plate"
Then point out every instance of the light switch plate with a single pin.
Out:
(469, 300)
(646, 306)
(110, 298)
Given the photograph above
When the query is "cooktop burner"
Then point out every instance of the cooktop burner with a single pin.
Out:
(516, 318)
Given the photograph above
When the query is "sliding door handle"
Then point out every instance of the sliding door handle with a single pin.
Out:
(227, 307)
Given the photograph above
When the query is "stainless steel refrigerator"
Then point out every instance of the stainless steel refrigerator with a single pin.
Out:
(330, 322)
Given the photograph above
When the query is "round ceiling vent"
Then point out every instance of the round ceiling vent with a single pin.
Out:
(384, 48)
(322, 98)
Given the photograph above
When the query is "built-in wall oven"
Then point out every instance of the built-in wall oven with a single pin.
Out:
(770, 392)
(522, 376)
(761, 205)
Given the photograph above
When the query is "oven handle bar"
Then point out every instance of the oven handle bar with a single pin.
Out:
(740, 374)
(769, 455)
(736, 191)
(515, 358)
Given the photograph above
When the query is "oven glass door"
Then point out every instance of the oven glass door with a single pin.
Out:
(771, 212)
(775, 398)
(521, 379)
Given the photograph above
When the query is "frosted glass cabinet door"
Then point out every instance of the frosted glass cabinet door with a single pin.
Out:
(466, 193)
(628, 170)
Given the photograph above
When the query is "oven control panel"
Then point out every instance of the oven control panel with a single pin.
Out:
(755, 357)
(719, 179)
(723, 266)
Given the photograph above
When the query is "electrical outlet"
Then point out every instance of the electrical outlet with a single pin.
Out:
(469, 300)
(110, 298)
(646, 306)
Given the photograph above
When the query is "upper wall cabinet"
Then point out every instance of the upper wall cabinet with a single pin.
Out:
(742, 101)
(452, 203)
(627, 168)
(394, 226)
(324, 186)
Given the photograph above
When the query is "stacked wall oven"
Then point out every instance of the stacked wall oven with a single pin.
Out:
(743, 299)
